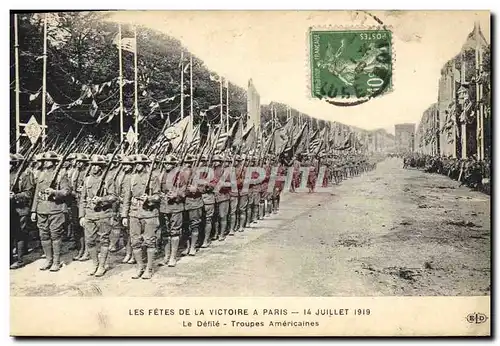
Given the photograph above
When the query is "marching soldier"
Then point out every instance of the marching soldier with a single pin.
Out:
(76, 177)
(278, 188)
(208, 197)
(122, 182)
(233, 197)
(221, 197)
(254, 193)
(171, 210)
(265, 198)
(243, 196)
(193, 206)
(96, 210)
(116, 226)
(140, 212)
(49, 208)
(21, 197)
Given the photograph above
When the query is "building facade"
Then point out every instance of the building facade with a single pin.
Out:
(404, 137)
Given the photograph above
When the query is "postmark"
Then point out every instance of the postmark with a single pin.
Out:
(350, 66)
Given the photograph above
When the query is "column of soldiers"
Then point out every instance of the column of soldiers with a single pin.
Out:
(471, 172)
(150, 208)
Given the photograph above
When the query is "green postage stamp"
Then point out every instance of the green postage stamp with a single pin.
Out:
(350, 65)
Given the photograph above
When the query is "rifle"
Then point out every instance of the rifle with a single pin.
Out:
(108, 167)
(24, 163)
(151, 169)
(69, 148)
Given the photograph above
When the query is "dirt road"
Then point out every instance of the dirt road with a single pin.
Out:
(388, 232)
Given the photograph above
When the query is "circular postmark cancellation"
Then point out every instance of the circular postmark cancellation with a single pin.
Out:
(350, 67)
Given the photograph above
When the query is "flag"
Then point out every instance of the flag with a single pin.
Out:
(249, 139)
(236, 137)
(186, 68)
(176, 133)
(215, 78)
(129, 44)
(226, 83)
(193, 139)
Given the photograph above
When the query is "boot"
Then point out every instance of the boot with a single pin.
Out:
(114, 239)
(262, 210)
(269, 207)
(47, 250)
(20, 252)
(255, 213)
(103, 256)
(174, 246)
(86, 255)
(243, 220)
(188, 246)
(140, 263)
(92, 251)
(148, 273)
(81, 250)
(223, 227)
(232, 224)
(208, 230)
(56, 263)
(194, 241)
(274, 206)
(128, 255)
(166, 256)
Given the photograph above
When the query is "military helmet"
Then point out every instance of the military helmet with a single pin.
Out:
(228, 158)
(204, 158)
(128, 159)
(71, 156)
(82, 157)
(171, 159)
(98, 160)
(117, 158)
(20, 157)
(13, 158)
(51, 156)
(190, 158)
(237, 158)
(142, 158)
(217, 158)
(38, 157)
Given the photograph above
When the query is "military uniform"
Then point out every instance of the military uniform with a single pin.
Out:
(116, 225)
(21, 197)
(208, 197)
(171, 210)
(121, 184)
(221, 198)
(243, 198)
(141, 211)
(49, 210)
(76, 176)
(254, 191)
(96, 210)
(193, 206)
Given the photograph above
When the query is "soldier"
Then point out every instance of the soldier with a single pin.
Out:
(243, 196)
(140, 212)
(264, 194)
(254, 191)
(278, 188)
(221, 196)
(208, 197)
(76, 177)
(116, 226)
(21, 197)
(193, 206)
(233, 196)
(171, 210)
(122, 182)
(96, 210)
(49, 208)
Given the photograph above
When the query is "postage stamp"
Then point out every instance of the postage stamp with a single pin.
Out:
(350, 64)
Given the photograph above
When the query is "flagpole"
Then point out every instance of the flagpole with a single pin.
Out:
(182, 85)
(120, 78)
(191, 114)
(136, 96)
(44, 79)
(464, 126)
(221, 105)
(227, 106)
(16, 57)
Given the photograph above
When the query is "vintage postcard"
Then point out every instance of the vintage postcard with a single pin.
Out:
(250, 173)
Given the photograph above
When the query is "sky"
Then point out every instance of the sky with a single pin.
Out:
(271, 47)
